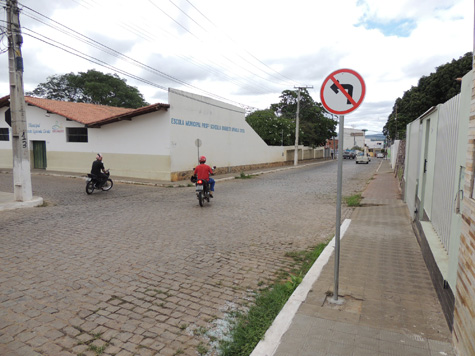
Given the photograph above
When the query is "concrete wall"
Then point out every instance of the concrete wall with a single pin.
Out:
(226, 138)
(464, 320)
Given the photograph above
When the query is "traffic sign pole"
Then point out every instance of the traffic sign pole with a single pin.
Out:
(341, 93)
(338, 207)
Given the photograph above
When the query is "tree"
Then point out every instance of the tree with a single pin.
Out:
(90, 87)
(431, 90)
(274, 130)
(315, 127)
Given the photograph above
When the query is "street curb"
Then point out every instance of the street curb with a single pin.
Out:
(166, 184)
(272, 338)
(36, 201)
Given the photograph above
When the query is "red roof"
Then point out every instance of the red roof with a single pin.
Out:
(90, 115)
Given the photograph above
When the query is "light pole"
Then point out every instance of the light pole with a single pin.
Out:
(296, 151)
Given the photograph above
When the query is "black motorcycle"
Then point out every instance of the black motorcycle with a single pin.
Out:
(93, 182)
(202, 189)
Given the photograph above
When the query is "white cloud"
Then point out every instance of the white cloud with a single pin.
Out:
(250, 51)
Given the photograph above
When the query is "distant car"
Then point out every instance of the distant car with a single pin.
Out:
(349, 154)
(362, 158)
(380, 155)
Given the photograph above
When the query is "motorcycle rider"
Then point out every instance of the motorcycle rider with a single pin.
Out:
(203, 172)
(98, 170)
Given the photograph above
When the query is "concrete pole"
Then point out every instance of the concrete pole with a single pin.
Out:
(338, 207)
(296, 151)
(21, 153)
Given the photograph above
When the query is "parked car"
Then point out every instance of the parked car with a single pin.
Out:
(362, 158)
(380, 155)
(349, 154)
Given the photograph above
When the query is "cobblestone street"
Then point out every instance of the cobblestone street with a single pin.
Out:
(143, 270)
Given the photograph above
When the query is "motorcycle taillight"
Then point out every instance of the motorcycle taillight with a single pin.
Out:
(200, 182)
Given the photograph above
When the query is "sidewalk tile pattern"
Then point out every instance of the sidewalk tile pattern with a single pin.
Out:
(389, 304)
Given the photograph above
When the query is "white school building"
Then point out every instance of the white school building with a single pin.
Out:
(159, 141)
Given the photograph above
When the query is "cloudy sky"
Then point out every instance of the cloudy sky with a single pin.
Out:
(245, 52)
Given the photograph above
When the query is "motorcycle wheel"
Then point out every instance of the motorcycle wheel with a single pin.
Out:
(107, 185)
(90, 187)
(200, 198)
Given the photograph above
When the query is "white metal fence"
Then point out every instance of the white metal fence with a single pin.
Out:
(445, 120)
(445, 169)
(411, 170)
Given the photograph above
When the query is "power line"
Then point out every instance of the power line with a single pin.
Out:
(145, 34)
(236, 53)
(64, 29)
(211, 22)
(196, 37)
(112, 52)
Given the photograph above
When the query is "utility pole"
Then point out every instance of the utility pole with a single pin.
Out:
(21, 153)
(296, 151)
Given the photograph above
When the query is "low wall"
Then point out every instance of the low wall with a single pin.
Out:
(444, 292)
(186, 175)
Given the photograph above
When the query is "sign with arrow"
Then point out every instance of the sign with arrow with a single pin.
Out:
(342, 91)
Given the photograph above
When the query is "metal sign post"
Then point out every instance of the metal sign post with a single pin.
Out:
(198, 143)
(339, 185)
(341, 93)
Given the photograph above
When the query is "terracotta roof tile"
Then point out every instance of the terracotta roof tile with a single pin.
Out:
(87, 114)
(80, 112)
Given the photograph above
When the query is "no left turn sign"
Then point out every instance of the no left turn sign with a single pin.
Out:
(342, 91)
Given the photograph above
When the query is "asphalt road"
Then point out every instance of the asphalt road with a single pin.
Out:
(143, 270)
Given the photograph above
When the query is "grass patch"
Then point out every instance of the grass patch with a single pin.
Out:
(244, 176)
(250, 327)
(354, 200)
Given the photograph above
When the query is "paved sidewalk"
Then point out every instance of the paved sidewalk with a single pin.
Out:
(389, 304)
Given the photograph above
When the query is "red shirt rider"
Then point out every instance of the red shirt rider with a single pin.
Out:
(203, 171)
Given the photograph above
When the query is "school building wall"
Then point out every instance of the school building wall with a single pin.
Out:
(226, 138)
(136, 148)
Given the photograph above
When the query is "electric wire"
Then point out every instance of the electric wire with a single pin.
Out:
(257, 59)
(222, 55)
(99, 46)
(118, 70)
(197, 38)
(117, 54)
(97, 61)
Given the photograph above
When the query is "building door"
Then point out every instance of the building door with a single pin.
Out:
(39, 154)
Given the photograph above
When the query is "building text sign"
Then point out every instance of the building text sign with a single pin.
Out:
(342, 91)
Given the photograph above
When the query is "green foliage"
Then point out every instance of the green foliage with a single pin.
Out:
(354, 200)
(251, 327)
(276, 125)
(431, 90)
(274, 130)
(91, 87)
